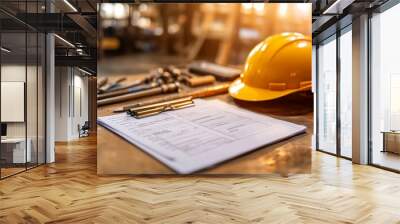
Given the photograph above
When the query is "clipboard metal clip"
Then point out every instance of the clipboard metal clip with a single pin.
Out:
(157, 108)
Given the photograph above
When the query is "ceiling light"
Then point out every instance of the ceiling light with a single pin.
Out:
(65, 41)
(337, 7)
(84, 71)
(70, 5)
(107, 10)
(120, 11)
(79, 52)
(5, 50)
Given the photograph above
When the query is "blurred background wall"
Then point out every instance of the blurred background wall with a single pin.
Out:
(223, 33)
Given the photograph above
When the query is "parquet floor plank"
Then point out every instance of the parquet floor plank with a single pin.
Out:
(69, 191)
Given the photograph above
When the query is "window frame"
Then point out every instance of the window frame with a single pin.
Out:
(334, 37)
(381, 9)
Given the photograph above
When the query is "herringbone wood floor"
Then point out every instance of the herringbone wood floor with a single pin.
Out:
(70, 192)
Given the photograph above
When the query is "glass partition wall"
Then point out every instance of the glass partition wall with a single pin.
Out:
(345, 92)
(334, 94)
(327, 98)
(22, 88)
(385, 89)
(334, 128)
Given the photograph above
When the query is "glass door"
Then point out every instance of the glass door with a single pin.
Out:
(326, 96)
(334, 94)
(345, 92)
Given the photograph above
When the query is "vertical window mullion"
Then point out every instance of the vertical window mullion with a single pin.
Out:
(338, 93)
(37, 90)
(316, 113)
(369, 100)
(26, 87)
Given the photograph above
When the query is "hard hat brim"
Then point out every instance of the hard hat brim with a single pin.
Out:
(241, 91)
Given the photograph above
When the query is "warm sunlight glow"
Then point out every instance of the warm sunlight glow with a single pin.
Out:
(283, 8)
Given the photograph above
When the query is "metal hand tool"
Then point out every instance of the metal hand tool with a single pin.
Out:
(123, 91)
(204, 92)
(166, 88)
(189, 79)
(149, 110)
(112, 85)
(101, 82)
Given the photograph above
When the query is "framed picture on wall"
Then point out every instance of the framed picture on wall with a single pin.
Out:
(12, 101)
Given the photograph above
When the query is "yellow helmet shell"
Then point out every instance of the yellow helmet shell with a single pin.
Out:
(278, 66)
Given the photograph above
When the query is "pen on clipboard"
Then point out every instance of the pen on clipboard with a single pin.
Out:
(201, 93)
(154, 107)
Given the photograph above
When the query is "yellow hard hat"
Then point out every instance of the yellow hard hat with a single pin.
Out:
(276, 67)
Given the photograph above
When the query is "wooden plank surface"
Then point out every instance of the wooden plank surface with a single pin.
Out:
(117, 156)
(70, 191)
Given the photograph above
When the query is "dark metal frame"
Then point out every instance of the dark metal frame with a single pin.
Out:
(339, 32)
(317, 94)
(338, 94)
(316, 113)
(369, 98)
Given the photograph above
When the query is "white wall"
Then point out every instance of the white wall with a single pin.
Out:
(61, 103)
(81, 82)
(71, 94)
(14, 73)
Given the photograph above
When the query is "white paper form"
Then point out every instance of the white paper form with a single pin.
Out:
(198, 137)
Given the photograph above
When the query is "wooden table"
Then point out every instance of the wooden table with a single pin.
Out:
(391, 141)
(117, 156)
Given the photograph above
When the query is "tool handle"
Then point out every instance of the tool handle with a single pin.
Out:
(112, 94)
(120, 80)
(109, 86)
(101, 82)
(122, 91)
(222, 73)
(145, 93)
(133, 84)
(204, 92)
(200, 80)
(211, 91)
